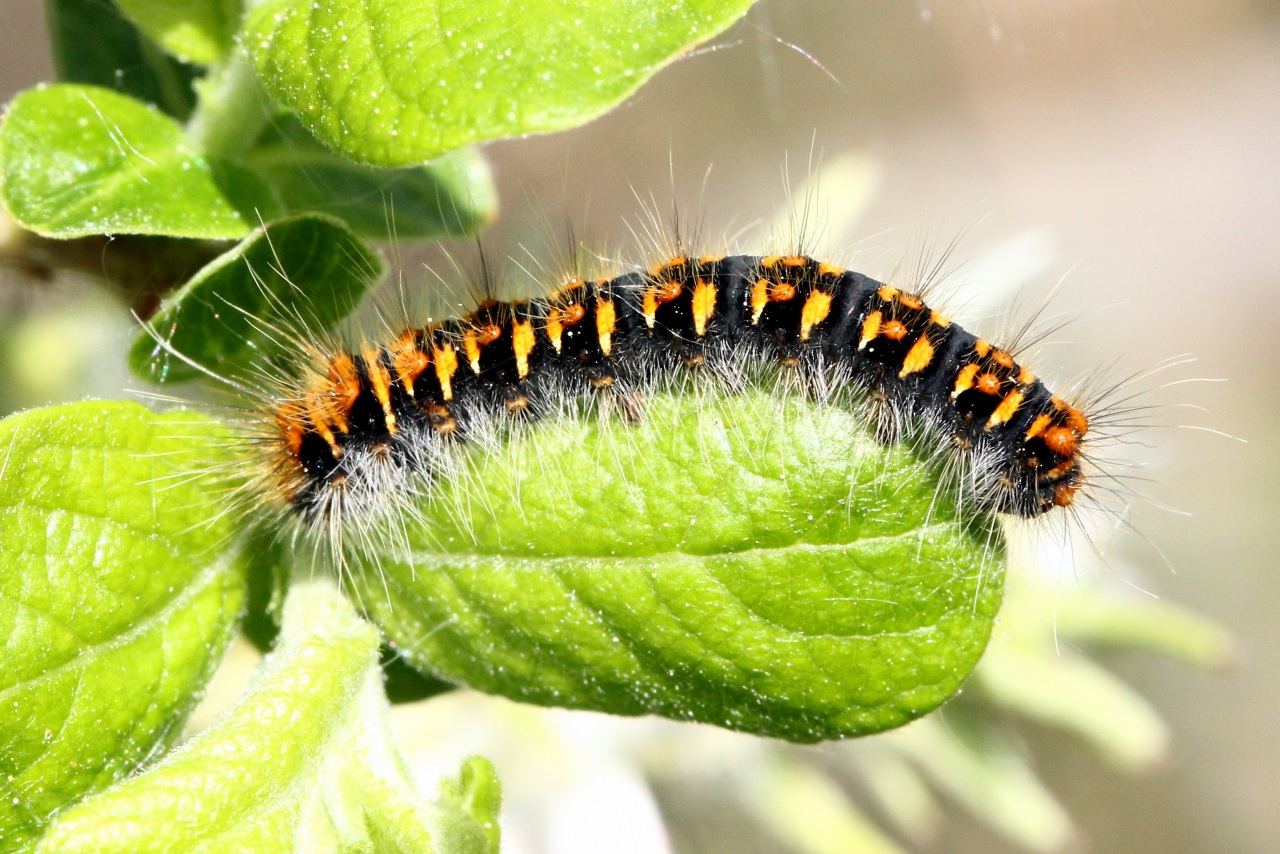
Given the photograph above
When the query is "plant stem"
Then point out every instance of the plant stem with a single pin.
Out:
(231, 110)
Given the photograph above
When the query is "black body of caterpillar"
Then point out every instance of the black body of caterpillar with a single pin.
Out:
(614, 336)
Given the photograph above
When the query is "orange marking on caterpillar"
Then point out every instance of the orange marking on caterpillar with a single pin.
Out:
(964, 380)
(1061, 440)
(782, 292)
(318, 403)
(446, 362)
(1077, 420)
(911, 301)
(982, 348)
(894, 330)
(816, 309)
(1005, 410)
(1039, 425)
(918, 357)
(1062, 469)
(988, 383)
(343, 392)
(472, 348)
(559, 318)
(1064, 494)
(380, 381)
(408, 360)
(938, 320)
(887, 293)
(555, 328)
(523, 340)
(759, 299)
(476, 339)
(291, 419)
(827, 269)
(704, 305)
(606, 320)
(870, 329)
(656, 295)
(1003, 359)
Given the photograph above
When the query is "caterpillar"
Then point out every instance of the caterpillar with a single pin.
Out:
(376, 419)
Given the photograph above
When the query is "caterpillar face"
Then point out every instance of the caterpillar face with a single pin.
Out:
(621, 336)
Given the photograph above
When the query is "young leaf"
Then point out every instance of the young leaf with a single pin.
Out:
(451, 195)
(96, 45)
(79, 160)
(199, 31)
(117, 597)
(230, 314)
(302, 763)
(757, 562)
(397, 83)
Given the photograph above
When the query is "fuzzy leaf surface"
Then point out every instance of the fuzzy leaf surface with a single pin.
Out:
(230, 314)
(302, 763)
(78, 160)
(397, 83)
(117, 598)
(757, 561)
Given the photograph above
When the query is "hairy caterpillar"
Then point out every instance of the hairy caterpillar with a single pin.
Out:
(360, 424)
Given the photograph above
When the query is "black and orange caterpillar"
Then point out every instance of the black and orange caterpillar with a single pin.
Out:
(613, 336)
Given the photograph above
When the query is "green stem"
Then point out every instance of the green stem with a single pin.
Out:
(231, 110)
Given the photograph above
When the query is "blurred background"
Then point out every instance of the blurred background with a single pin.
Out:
(1126, 152)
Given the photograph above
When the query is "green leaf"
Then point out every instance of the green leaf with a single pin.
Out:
(94, 44)
(397, 83)
(302, 763)
(199, 31)
(757, 562)
(79, 160)
(451, 195)
(229, 316)
(117, 597)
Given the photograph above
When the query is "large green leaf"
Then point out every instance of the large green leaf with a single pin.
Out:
(117, 597)
(234, 312)
(397, 83)
(94, 44)
(303, 763)
(79, 160)
(756, 561)
(199, 31)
